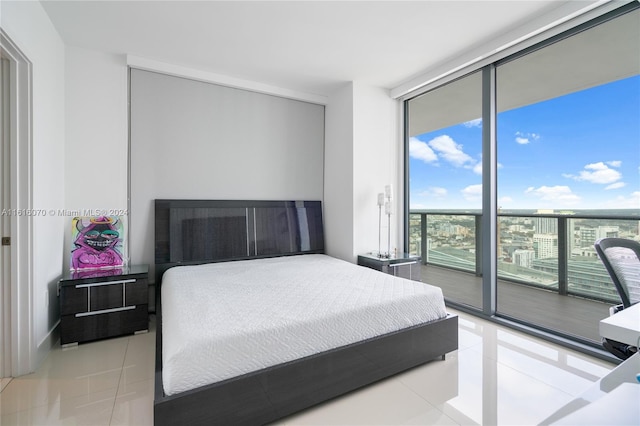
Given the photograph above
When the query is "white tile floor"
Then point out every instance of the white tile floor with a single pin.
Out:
(498, 376)
(109, 382)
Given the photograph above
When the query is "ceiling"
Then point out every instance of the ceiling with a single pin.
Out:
(309, 46)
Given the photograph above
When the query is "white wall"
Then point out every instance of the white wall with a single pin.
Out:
(96, 134)
(376, 150)
(338, 174)
(29, 27)
(197, 140)
(362, 149)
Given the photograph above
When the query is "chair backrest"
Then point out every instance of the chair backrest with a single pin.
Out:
(621, 257)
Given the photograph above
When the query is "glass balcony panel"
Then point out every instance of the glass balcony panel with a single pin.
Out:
(526, 246)
(587, 276)
(529, 292)
(449, 241)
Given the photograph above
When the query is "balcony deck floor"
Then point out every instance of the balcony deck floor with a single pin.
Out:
(571, 315)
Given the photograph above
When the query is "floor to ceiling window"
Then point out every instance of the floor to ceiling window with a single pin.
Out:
(568, 172)
(445, 197)
(568, 143)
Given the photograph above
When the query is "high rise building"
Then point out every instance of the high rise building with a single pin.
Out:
(524, 257)
(607, 232)
(571, 235)
(588, 236)
(545, 225)
(545, 245)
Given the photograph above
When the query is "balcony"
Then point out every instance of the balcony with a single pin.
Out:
(548, 273)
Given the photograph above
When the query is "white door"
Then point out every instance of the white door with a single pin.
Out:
(5, 222)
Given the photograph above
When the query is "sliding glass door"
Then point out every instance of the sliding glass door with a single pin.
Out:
(568, 145)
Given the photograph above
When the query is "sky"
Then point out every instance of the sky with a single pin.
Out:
(577, 151)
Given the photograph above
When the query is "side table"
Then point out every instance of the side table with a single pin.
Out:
(402, 265)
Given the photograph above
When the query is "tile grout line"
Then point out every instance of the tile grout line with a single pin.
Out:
(537, 379)
(426, 400)
(115, 399)
(4, 382)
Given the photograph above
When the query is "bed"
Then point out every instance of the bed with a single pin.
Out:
(255, 323)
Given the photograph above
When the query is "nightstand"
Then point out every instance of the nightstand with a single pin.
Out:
(402, 265)
(103, 303)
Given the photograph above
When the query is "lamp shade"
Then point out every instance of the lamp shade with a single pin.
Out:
(388, 191)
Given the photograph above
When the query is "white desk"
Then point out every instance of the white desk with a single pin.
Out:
(614, 398)
(623, 326)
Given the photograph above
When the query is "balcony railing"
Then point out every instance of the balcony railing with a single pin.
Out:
(550, 251)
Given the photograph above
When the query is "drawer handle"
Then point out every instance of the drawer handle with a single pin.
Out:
(105, 311)
(394, 265)
(105, 283)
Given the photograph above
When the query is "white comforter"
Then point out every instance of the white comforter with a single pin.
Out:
(222, 320)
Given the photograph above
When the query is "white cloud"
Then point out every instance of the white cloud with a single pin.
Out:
(616, 185)
(473, 123)
(421, 151)
(630, 202)
(418, 206)
(450, 150)
(505, 200)
(472, 192)
(526, 138)
(557, 193)
(597, 173)
(434, 191)
(616, 163)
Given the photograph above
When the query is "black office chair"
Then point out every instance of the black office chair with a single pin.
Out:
(621, 258)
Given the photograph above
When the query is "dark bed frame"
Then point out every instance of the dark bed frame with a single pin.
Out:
(204, 231)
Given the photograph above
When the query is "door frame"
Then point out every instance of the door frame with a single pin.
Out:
(20, 348)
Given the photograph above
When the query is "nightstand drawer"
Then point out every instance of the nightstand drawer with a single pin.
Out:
(408, 270)
(80, 328)
(87, 297)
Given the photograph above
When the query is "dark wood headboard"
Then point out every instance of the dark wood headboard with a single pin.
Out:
(189, 232)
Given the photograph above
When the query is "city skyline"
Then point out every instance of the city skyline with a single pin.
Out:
(577, 151)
